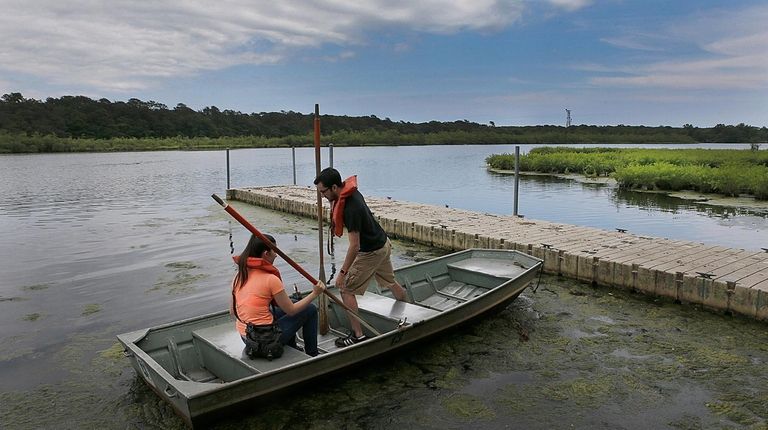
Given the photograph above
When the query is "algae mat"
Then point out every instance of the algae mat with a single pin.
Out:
(568, 355)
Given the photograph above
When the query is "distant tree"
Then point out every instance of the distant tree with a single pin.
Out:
(82, 117)
(13, 98)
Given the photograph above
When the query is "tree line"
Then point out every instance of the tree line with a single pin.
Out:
(80, 117)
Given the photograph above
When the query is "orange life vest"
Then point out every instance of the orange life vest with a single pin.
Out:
(337, 211)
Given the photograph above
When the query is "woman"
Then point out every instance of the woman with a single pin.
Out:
(257, 284)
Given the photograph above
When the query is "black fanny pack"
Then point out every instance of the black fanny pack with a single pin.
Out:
(263, 341)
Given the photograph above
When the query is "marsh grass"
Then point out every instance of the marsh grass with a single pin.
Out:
(480, 135)
(21, 143)
(724, 171)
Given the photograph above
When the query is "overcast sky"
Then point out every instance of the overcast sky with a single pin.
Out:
(513, 62)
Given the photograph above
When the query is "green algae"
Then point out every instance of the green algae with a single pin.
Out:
(687, 422)
(36, 287)
(87, 398)
(114, 352)
(12, 347)
(582, 391)
(733, 412)
(110, 361)
(181, 283)
(78, 405)
(709, 358)
(31, 317)
(180, 279)
(90, 309)
(628, 356)
(580, 353)
(184, 265)
(450, 379)
(738, 404)
(465, 406)
(514, 399)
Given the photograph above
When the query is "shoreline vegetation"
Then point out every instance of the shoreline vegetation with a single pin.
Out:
(23, 143)
(81, 124)
(728, 172)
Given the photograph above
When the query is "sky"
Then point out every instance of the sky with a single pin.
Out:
(513, 62)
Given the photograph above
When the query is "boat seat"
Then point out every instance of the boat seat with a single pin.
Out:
(225, 338)
(390, 308)
(489, 266)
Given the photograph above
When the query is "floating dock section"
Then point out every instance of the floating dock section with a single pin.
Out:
(719, 278)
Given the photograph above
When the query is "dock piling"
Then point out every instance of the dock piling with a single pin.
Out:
(228, 187)
(517, 178)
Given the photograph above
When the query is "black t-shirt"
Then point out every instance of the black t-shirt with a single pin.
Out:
(358, 217)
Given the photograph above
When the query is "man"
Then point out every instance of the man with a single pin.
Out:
(369, 250)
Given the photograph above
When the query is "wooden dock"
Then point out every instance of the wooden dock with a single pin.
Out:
(720, 278)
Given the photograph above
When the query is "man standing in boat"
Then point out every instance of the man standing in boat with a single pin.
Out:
(369, 250)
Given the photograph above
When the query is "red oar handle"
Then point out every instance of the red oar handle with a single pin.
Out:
(274, 247)
(263, 238)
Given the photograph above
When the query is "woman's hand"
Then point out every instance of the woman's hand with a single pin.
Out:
(318, 288)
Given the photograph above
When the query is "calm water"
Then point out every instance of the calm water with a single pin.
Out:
(456, 176)
(92, 245)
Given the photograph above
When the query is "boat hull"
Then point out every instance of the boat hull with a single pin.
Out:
(160, 354)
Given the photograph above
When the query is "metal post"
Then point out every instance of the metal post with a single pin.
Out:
(517, 177)
(293, 153)
(228, 168)
(330, 154)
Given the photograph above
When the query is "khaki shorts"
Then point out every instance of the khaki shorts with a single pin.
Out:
(368, 265)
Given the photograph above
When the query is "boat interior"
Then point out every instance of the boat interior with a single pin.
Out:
(209, 349)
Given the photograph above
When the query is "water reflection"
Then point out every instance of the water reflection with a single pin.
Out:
(664, 202)
(231, 243)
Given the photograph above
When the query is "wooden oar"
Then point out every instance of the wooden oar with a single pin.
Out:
(236, 215)
(322, 301)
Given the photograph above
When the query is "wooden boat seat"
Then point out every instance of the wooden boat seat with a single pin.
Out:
(226, 339)
(395, 310)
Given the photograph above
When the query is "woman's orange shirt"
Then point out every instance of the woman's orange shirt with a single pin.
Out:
(254, 297)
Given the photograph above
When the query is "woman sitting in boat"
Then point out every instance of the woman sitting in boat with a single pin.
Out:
(257, 288)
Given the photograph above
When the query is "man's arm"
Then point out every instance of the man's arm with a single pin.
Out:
(354, 247)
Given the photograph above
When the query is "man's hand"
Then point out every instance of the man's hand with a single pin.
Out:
(341, 279)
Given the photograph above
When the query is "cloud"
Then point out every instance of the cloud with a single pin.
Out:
(633, 42)
(401, 47)
(341, 56)
(729, 52)
(127, 45)
(570, 5)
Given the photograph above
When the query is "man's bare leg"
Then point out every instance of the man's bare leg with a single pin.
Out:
(350, 300)
(399, 292)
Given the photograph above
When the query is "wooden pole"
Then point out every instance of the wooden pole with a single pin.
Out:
(322, 301)
(228, 168)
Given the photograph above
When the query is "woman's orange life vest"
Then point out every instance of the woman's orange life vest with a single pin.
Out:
(337, 211)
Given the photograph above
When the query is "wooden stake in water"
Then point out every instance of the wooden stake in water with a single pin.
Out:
(227, 168)
(322, 300)
(517, 177)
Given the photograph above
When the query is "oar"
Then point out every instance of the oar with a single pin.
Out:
(236, 215)
(322, 301)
